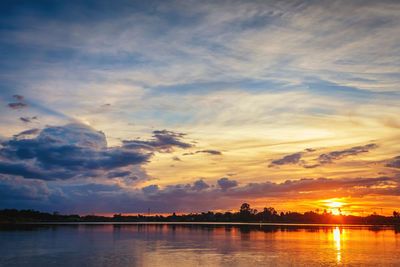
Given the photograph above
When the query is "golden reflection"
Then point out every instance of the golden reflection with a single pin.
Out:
(336, 239)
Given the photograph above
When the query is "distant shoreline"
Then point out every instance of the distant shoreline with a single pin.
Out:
(246, 216)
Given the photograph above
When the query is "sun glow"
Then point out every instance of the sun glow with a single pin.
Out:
(335, 212)
(334, 204)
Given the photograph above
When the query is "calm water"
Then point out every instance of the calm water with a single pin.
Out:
(198, 245)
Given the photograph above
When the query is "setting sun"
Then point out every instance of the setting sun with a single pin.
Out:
(335, 212)
(333, 206)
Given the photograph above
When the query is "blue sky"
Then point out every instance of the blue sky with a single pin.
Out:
(254, 80)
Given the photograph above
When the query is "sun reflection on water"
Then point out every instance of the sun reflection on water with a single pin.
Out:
(336, 239)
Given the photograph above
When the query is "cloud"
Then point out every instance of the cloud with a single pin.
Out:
(226, 183)
(311, 166)
(163, 141)
(17, 105)
(321, 187)
(64, 152)
(27, 132)
(95, 188)
(15, 190)
(394, 163)
(118, 174)
(336, 155)
(150, 189)
(33, 172)
(212, 152)
(289, 159)
(199, 185)
(131, 180)
(323, 159)
(28, 119)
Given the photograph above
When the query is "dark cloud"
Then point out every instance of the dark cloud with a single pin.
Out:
(130, 180)
(94, 188)
(25, 119)
(64, 152)
(176, 159)
(226, 183)
(150, 189)
(21, 169)
(118, 174)
(341, 187)
(394, 163)
(27, 132)
(199, 185)
(17, 105)
(162, 141)
(336, 155)
(17, 189)
(29, 171)
(323, 158)
(28, 119)
(311, 166)
(289, 159)
(212, 152)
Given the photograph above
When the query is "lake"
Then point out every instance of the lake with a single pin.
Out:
(198, 245)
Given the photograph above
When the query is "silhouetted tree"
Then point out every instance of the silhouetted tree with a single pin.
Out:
(245, 209)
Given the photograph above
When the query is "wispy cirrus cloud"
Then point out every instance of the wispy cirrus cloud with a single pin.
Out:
(325, 158)
(209, 151)
(28, 119)
(289, 159)
(27, 132)
(336, 155)
(163, 141)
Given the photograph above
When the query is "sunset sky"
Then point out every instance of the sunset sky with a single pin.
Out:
(190, 106)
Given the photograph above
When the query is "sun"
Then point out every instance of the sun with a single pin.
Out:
(335, 212)
(334, 205)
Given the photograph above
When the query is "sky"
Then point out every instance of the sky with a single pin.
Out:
(190, 106)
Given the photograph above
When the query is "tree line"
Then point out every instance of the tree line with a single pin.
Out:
(245, 214)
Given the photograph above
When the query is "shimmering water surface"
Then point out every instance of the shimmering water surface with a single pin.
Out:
(198, 245)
